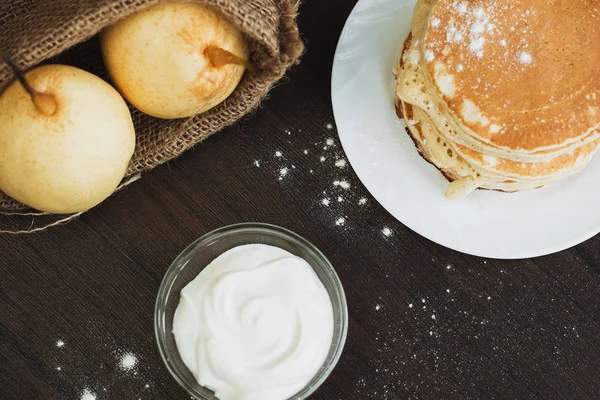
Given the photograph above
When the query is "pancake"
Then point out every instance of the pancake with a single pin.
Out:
(488, 101)
(518, 74)
(467, 175)
(414, 87)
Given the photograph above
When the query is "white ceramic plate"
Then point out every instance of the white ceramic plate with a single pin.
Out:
(487, 224)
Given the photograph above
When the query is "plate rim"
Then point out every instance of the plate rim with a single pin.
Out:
(538, 252)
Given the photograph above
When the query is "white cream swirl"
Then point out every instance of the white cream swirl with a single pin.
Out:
(255, 324)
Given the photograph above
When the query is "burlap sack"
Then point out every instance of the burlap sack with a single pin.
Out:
(64, 31)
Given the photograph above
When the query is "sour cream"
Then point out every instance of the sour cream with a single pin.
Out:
(255, 324)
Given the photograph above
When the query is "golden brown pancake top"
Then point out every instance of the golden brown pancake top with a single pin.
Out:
(518, 73)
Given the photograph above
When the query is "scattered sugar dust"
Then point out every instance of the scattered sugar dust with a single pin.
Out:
(461, 7)
(283, 172)
(525, 58)
(473, 33)
(337, 201)
(342, 184)
(429, 56)
(128, 362)
(87, 395)
(474, 28)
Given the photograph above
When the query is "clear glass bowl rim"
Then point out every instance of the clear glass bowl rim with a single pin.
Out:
(160, 330)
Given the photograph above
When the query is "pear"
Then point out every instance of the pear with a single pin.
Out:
(66, 138)
(175, 60)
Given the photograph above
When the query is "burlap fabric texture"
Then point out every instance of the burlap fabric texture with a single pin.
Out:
(64, 31)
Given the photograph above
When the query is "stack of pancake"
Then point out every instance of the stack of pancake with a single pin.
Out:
(502, 94)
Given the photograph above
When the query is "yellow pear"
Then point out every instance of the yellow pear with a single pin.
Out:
(66, 138)
(175, 60)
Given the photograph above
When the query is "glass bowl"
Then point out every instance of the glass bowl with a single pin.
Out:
(204, 250)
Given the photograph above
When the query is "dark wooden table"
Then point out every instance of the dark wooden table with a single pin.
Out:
(425, 322)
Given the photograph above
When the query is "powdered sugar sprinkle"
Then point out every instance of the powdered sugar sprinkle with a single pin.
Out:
(128, 362)
(429, 56)
(461, 7)
(342, 184)
(88, 395)
(478, 23)
(283, 172)
(476, 46)
(525, 58)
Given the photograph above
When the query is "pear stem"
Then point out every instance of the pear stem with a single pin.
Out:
(220, 57)
(45, 103)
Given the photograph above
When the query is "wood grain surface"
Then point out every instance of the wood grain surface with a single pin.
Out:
(425, 322)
